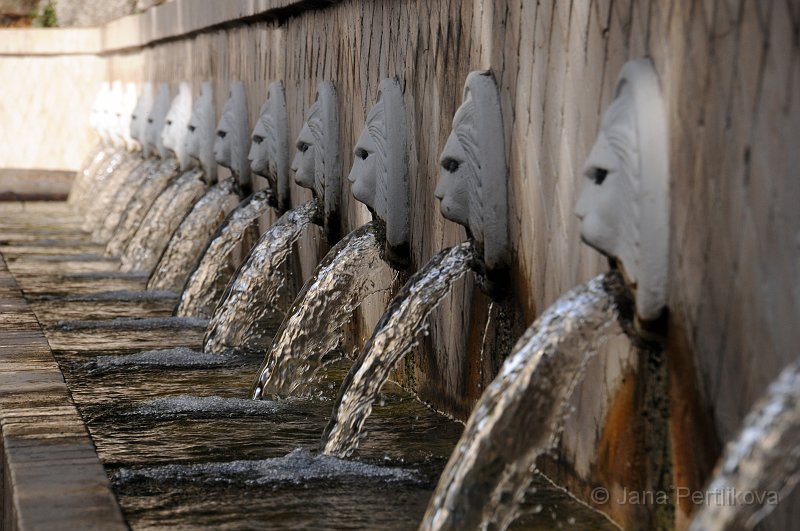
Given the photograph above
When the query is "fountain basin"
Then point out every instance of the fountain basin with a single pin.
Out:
(46, 450)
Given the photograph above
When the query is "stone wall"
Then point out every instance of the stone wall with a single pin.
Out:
(730, 72)
(69, 13)
(48, 82)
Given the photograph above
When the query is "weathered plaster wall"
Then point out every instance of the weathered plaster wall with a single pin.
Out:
(730, 73)
(48, 82)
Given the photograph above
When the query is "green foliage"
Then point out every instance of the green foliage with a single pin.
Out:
(48, 18)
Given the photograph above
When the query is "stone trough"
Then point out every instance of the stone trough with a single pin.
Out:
(51, 475)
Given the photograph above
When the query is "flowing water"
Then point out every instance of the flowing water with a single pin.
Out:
(348, 273)
(103, 177)
(186, 449)
(86, 175)
(137, 209)
(104, 171)
(257, 298)
(75, 303)
(161, 222)
(206, 284)
(520, 416)
(116, 209)
(105, 194)
(192, 237)
(394, 336)
(761, 466)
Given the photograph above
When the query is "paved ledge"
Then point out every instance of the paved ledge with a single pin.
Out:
(185, 17)
(172, 20)
(50, 475)
(51, 41)
(34, 185)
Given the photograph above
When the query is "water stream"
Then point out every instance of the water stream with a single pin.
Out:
(87, 174)
(207, 282)
(520, 416)
(394, 336)
(104, 195)
(192, 237)
(761, 466)
(102, 176)
(162, 220)
(184, 446)
(350, 271)
(257, 298)
(116, 209)
(137, 209)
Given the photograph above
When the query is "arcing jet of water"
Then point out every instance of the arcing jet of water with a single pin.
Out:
(347, 274)
(519, 417)
(353, 268)
(394, 336)
(255, 300)
(472, 190)
(762, 465)
(208, 280)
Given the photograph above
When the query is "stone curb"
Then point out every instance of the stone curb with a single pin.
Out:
(50, 474)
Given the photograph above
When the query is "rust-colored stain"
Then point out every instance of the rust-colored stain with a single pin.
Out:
(695, 445)
(474, 378)
(521, 284)
(620, 454)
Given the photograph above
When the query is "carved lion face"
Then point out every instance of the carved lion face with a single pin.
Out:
(230, 147)
(259, 155)
(199, 139)
(316, 163)
(222, 144)
(369, 162)
(176, 124)
(606, 207)
(269, 148)
(624, 203)
(305, 161)
(459, 171)
(155, 121)
(473, 182)
(139, 116)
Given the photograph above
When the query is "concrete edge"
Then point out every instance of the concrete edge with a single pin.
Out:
(50, 474)
(172, 20)
(34, 185)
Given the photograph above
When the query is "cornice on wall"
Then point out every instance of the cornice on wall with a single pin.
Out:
(172, 20)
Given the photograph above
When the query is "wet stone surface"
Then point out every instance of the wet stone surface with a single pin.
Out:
(179, 438)
(52, 476)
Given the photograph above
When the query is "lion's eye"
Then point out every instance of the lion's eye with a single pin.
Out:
(192, 128)
(450, 165)
(302, 147)
(258, 139)
(221, 134)
(361, 153)
(169, 122)
(597, 175)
